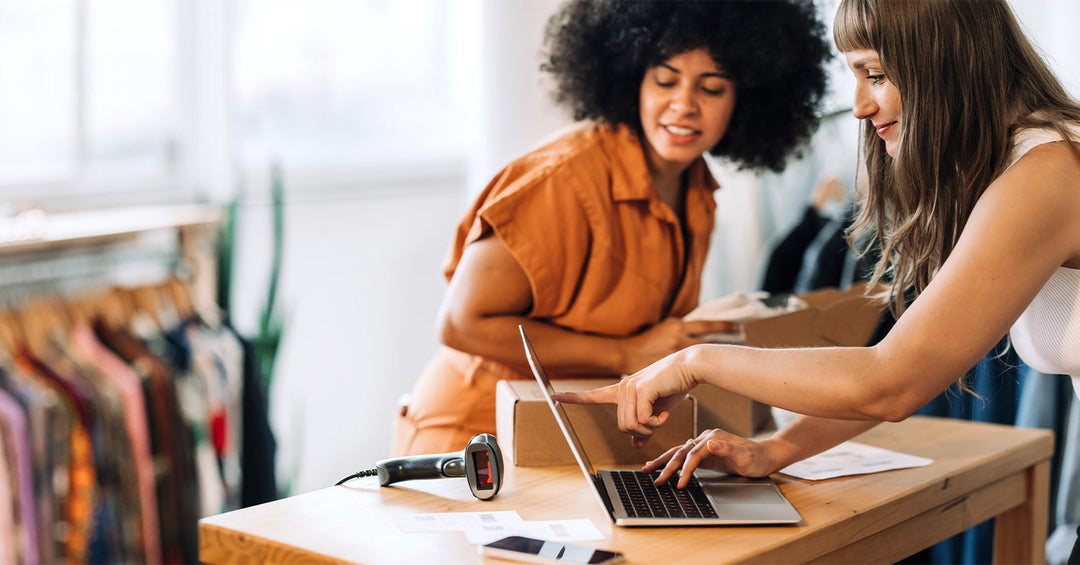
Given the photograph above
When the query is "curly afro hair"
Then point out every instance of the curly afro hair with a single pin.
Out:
(775, 51)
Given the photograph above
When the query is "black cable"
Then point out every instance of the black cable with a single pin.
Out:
(367, 473)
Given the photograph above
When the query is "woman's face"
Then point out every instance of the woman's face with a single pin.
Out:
(686, 104)
(876, 97)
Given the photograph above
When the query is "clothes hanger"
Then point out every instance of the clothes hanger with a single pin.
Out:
(168, 313)
(10, 337)
(180, 297)
(81, 312)
(113, 309)
(37, 320)
(145, 301)
(144, 319)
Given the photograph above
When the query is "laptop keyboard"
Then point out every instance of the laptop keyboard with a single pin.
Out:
(642, 499)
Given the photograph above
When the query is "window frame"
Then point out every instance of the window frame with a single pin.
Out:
(78, 189)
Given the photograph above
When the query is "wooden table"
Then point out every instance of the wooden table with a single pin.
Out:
(980, 471)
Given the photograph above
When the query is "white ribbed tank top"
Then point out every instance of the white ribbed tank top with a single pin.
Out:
(1047, 334)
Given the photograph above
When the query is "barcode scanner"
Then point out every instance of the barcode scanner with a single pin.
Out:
(480, 463)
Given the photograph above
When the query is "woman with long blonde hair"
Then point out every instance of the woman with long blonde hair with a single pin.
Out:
(972, 151)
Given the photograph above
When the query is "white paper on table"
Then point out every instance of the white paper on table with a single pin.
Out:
(457, 521)
(852, 458)
(484, 527)
(551, 530)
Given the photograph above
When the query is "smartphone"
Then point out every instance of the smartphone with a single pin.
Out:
(531, 550)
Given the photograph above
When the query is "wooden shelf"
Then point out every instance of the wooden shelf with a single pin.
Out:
(68, 253)
(36, 229)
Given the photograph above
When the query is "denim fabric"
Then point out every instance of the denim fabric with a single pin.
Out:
(997, 381)
(1048, 401)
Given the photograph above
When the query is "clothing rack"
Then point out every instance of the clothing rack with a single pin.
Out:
(87, 296)
(68, 253)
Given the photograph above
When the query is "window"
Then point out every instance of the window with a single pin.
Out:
(347, 83)
(127, 99)
(89, 99)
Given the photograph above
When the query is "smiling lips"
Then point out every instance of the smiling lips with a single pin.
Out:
(884, 128)
(680, 131)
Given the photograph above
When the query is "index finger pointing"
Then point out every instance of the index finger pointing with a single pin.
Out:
(604, 395)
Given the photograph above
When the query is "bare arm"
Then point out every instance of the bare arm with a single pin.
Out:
(490, 294)
(1025, 226)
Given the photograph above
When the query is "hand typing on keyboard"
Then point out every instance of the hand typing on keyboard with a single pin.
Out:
(716, 450)
(642, 496)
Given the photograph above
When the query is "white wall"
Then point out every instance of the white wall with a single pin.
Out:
(362, 275)
(362, 284)
(1052, 24)
(516, 110)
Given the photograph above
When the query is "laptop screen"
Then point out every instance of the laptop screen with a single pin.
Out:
(556, 407)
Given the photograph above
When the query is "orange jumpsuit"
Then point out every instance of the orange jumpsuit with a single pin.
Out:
(602, 253)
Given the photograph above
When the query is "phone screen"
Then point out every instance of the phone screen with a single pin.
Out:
(555, 551)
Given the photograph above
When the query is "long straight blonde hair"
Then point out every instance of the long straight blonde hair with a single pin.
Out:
(968, 79)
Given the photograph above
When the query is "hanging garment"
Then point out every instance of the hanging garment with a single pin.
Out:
(137, 427)
(172, 444)
(16, 445)
(78, 493)
(48, 432)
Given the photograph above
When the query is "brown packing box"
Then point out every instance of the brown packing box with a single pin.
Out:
(832, 317)
(718, 408)
(530, 437)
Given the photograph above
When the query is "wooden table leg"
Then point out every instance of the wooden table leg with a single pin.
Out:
(1020, 533)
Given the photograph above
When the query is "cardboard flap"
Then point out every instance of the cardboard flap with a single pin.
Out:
(832, 317)
(821, 297)
(848, 322)
(793, 329)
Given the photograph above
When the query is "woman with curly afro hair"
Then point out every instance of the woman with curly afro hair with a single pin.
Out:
(596, 240)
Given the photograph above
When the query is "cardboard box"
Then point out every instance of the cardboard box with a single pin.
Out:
(832, 318)
(529, 436)
(718, 408)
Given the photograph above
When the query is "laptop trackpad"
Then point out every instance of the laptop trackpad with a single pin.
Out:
(747, 493)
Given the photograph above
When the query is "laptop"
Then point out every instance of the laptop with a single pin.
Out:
(711, 499)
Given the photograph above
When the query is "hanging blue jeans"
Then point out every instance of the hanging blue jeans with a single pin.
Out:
(1048, 401)
(996, 381)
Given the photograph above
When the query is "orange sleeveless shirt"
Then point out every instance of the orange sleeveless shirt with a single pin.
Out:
(602, 252)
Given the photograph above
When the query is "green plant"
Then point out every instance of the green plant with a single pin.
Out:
(271, 319)
(267, 341)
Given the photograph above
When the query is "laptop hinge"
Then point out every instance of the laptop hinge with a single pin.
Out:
(602, 491)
